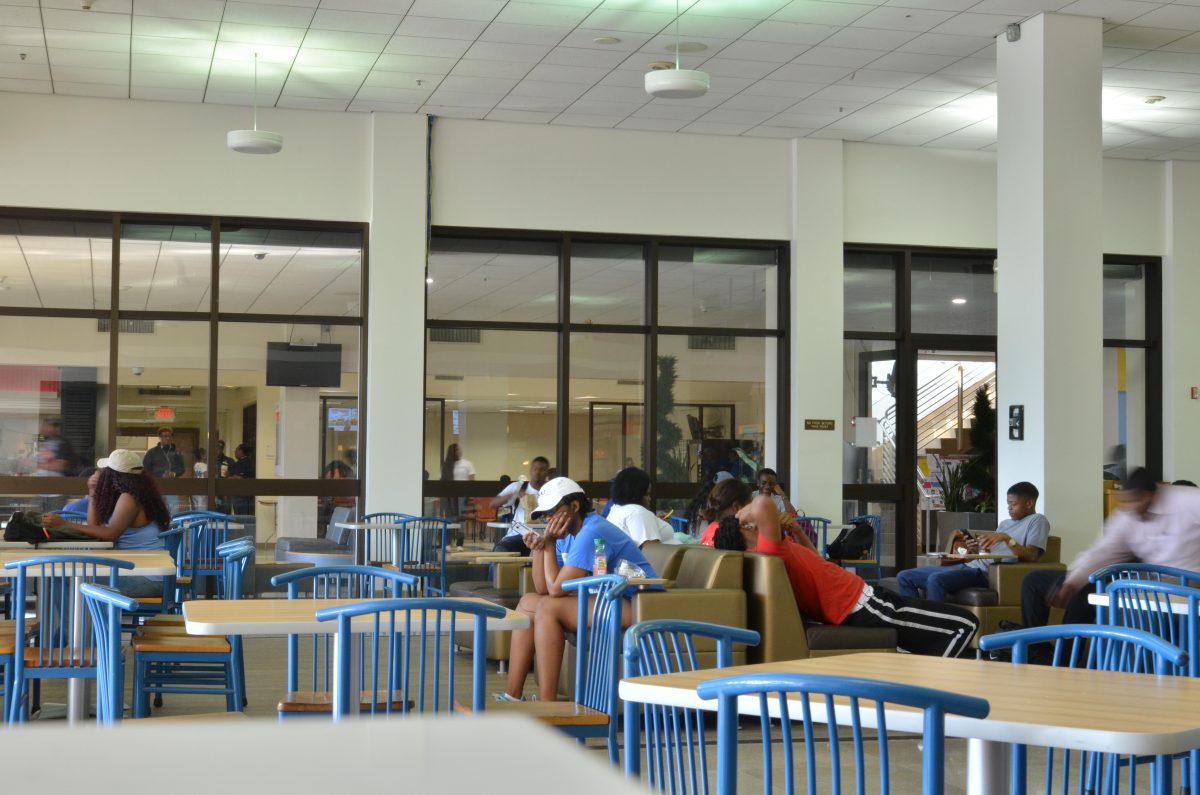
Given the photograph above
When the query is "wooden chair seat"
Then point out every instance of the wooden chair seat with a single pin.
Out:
(322, 701)
(183, 579)
(169, 631)
(554, 713)
(185, 644)
(148, 600)
(164, 620)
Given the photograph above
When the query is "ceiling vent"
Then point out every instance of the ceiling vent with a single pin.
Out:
(165, 391)
(710, 342)
(465, 335)
(126, 326)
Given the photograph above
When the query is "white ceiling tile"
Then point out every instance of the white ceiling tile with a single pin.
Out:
(838, 135)
(599, 108)
(302, 87)
(453, 112)
(822, 55)
(304, 3)
(245, 98)
(91, 21)
(582, 56)
(723, 8)
(89, 59)
(415, 63)
(567, 74)
(942, 44)
(25, 71)
(771, 131)
(626, 94)
(345, 40)
(1190, 43)
(495, 51)
(1180, 17)
(747, 117)
(91, 89)
(735, 68)
(668, 109)
(366, 105)
(520, 13)
(580, 120)
(413, 45)
(903, 138)
(404, 96)
(526, 116)
(972, 67)
(24, 86)
(170, 64)
(22, 37)
(549, 89)
(98, 6)
(816, 12)
(245, 54)
(882, 78)
(913, 62)
(481, 85)
(311, 103)
(714, 128)
(809, 73)
(897, 18)
(20, 17)
(1161, 61)
(640, 123)
(181, 9)
(354, 21)
(984, 25)
(466, 99)
(868, 39)
(1119, 11)
(893, 114)
(159, 45)
(329, 75)
(920, 99)
(586, 37)
(950, 83)
(1020, 8)
(158, 93)
(1141, 38)
(934, 5)
(844, 92)
(413, 25)
(628, 21)
(403, 80)
(692, 25)
(722, 84)
(396, 7)
(169, 80)
(260, 34)
(746, 101)
(961, 140)
(272, 15)
(523, 34)
(774, 52)
(80, 40)
(509, 69)
(475, 10)
(537, 104)
(630, 78)
(824, 107)
(780, 88)
(161, 27)
(17, 54)
(310, 56)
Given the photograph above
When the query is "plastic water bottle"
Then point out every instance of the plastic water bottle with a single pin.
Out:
(600, 562)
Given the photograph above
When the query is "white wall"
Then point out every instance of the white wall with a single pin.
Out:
(1181, 354)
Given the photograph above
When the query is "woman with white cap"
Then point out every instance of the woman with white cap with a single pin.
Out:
(126, 508)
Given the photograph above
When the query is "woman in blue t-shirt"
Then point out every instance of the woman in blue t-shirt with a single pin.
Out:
(126, 508)
(566, 551)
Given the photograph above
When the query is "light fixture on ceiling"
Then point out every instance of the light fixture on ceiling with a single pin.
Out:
(676, 83)
(1153, 99)
(958, 300)
(429, 280)
(606, 40)
(3, 286)
(256, 141)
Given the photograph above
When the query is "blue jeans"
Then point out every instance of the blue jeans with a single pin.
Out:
(937, 581)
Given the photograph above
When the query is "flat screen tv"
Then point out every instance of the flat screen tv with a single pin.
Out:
(304, 365)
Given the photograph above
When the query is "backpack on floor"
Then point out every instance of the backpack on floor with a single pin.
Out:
(853, 543)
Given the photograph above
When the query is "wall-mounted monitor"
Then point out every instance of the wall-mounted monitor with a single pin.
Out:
(304, 365)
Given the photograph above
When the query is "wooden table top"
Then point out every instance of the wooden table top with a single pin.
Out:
(1037, 705)
(287, 616)
(146, 562)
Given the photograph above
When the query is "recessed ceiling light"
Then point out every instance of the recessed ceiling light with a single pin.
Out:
(429, 280)
(606, 40)
(688, 46)
(127, 288)
(1153, 99)
(958, 300)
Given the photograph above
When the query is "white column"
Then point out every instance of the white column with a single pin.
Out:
(297, 455)
(1181, 323)
(396, 314)
(816, 321)
(1050, 302)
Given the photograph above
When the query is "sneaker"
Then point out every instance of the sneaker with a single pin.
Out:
(505, 697)
(458, 548)
(1010, 626)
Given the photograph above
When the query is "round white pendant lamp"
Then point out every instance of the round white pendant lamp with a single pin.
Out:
(676, 83)
(256, 141)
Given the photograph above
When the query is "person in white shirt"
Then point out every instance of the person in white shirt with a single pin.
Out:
(456, 467)
(629, 512)
(517, 494)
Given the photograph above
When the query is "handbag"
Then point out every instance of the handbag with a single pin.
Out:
(27, 526)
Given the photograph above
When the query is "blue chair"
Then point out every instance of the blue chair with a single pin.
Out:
(64, 643)
(180, 663)
(74, 516)
(1092, 647)
(815, 527)
(422, 552)
(874, 560)
(106, 607)
(679, 524)
(197, 556)
(866, 709)
(379, 546)
(330, 582)
(403, 684)
(675, 737)
(1148, 572)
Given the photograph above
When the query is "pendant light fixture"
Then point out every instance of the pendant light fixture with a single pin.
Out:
(256, 141)
(676, 83)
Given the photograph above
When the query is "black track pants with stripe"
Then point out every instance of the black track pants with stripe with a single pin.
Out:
(922, 627)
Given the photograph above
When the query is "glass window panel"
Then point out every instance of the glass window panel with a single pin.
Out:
(494, 399)
(53, 396)
(1124, 301)
(291, 271)
(869, 297)
(1124, 411)
(608, 283)
(869, 412)
(162, 379)
(607, 394)
(712, 395)
(953, 295)
(165, 267)
(717, 287)
(496, 280)
(58, 264)
(287, 430)
(886, 511)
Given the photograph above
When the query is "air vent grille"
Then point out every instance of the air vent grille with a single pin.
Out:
(126, 326)
(468, 335)
(710, 342)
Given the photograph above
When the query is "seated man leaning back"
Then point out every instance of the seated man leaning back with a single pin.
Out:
(829, 593)
(566, 551)
(1023, 535)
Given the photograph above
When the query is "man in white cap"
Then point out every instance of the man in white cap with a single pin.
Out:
(574, 530)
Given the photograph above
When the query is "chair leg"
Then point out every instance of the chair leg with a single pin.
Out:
(141, 708)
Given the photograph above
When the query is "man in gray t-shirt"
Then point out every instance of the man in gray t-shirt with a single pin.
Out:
(1023, 535)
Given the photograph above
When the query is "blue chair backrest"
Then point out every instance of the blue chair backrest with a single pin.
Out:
(335, 582)
(74, 516)
(815, 527)
(424, 682)
(203, 533)
(235, 555)
(1093, 647)
(377, 545)
(790, 694)
(61, 636)
(421, 550)
(676, 747)
(1165, 610)
(598, 649)
(106, 607)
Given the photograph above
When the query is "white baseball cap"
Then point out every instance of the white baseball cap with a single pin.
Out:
(552, 495)
(126, 461)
